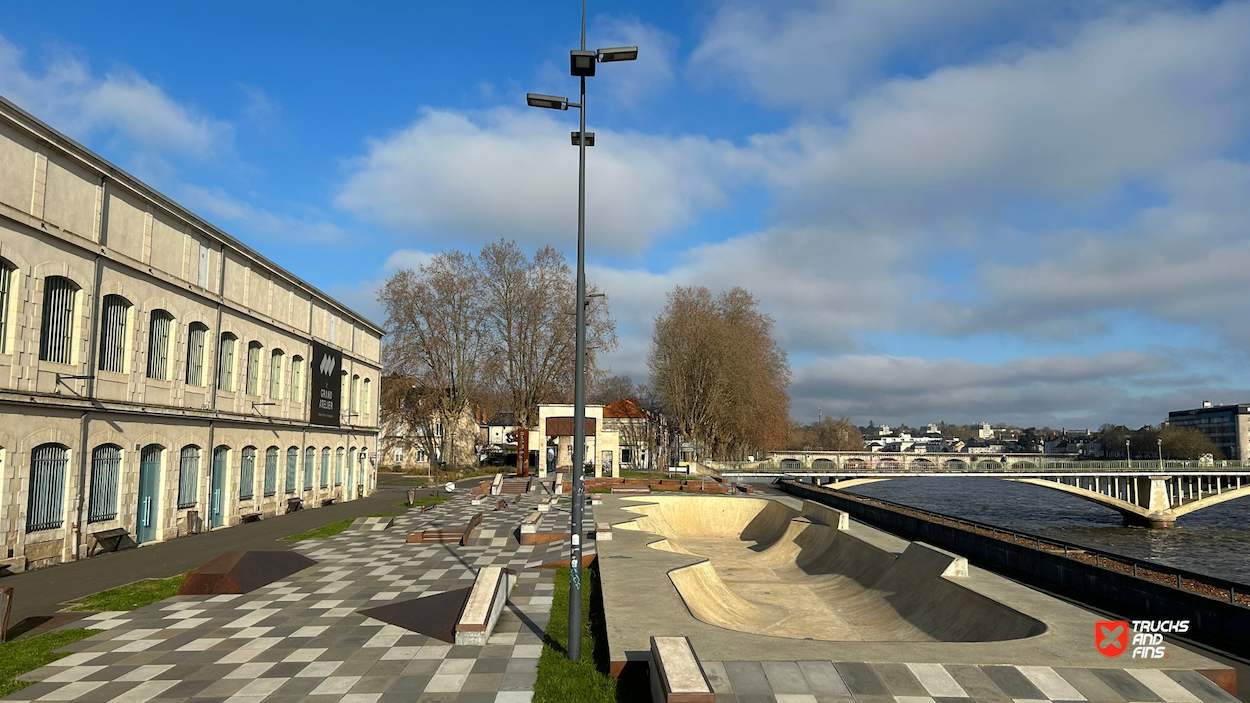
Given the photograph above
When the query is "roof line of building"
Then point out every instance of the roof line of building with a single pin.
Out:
(106, 167)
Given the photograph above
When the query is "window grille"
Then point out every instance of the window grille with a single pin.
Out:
(188, 476)
(197, 336)
(355, 397)
(271, 471)
(366, 399)
(225, 362)
(56, 333)
(310, 467)
(47, 487)
(253, 369)
(159, 340)
(297, 379)
(338, 467)
(7, 284)
(106, 463)
(113, 313)
(247, 474)
(292, 464)
(275, 374)
(325, 467)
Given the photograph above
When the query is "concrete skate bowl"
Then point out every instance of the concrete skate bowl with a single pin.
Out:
(773, 570)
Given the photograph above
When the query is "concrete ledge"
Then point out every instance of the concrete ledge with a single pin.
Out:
(476, 500)
(529, 523)
(559, 483)
(676, 674)
(497, 485)
(603, 531)
(544, 505)
(485, 602)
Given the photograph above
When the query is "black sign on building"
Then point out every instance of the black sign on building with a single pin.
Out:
(327, 385)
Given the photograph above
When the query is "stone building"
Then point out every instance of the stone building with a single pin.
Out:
(158, 376)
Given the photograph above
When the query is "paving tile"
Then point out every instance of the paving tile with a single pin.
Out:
(747, 677)
(900, 681)
(1126, 686)
(1090, 686)
(861, 680)
(823, 679)
(1013, 683)
(785, 677)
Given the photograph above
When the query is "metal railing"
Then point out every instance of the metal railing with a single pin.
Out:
(913, 464)
(1205, 584)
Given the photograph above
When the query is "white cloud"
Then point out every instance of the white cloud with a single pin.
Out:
(645, 77)
(514, 174)
(816, 53)
(121, 102)
(215, 204)
(1042, 390)
(363, 295)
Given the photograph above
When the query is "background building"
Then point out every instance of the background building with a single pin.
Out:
(157, 375)
(1228, 426)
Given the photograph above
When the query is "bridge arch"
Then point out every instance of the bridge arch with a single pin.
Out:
(823, 465)
(791, 464)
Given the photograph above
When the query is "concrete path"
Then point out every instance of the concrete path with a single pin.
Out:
(42, 592)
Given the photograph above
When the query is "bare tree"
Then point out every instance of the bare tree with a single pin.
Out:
(435, 337)
(718, 373)
(528, 307)
(611, 389)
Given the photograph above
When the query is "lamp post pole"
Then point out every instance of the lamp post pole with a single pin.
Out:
(579, 389)
(1128, 452)
(1160, 440)
(581, 64)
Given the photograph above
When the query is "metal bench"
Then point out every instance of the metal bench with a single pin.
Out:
(676, 674)
(106, 541)
(294, 505)
(250, 517)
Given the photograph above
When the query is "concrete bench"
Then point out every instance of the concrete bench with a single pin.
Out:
(676, 674)
(529, 523)
(476, 500)
(497, 485)
(603, 531)
(485, 602)
(106, 541)
(596, 499)
(544, 505)
(559, 487)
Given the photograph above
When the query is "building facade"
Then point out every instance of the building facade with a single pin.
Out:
(156, 374)
(1228, 426)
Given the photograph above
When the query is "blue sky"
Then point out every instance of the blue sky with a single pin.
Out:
(962, 210)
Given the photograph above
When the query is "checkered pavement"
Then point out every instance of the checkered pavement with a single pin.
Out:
(303, 639)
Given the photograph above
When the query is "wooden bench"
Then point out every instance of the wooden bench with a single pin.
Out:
(250, 517)
(106, 540)
(676, 674)
(294, 505)
(483, 606)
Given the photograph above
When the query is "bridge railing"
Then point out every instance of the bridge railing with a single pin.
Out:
(979, 464)
(1212, 586)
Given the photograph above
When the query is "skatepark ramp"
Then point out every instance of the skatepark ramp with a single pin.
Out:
(799, 573)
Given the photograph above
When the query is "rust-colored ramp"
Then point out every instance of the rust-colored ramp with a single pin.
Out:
(433, 616)
(242, 572)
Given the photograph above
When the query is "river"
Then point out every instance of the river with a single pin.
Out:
(1214, 540)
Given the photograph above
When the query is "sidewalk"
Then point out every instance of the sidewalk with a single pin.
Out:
(43, 591)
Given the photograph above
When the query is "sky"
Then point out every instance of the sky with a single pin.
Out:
(1034, 212)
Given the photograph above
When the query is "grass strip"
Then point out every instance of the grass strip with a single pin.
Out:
(426, 500)
(132, 595)
(586, 680)
(21, 656)
(324, 531)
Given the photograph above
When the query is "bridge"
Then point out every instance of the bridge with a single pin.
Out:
(1149, 493)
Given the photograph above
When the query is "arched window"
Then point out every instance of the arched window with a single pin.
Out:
(366, 403)
(225, 362)
(45, 504)
(338, 467)
(106, 463)
(247, 474)
(355, 397)
(310, 467)
(292, 465)
(346, 409)
(351, 467)
(325, 467)
(114, 315)
(271, 471)
(197, 339)
(160, 339)
(275, 374)
(56, 331)
(253, 368)
(188, 476)
(297, 379)
(8, 281)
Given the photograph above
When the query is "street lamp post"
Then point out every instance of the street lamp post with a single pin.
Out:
(581, 64)
(1160, 440)
(1128, 453)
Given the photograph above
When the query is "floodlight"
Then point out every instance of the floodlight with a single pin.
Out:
(590, 138)
(619, 53)
(582, 62)
(554, 102)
